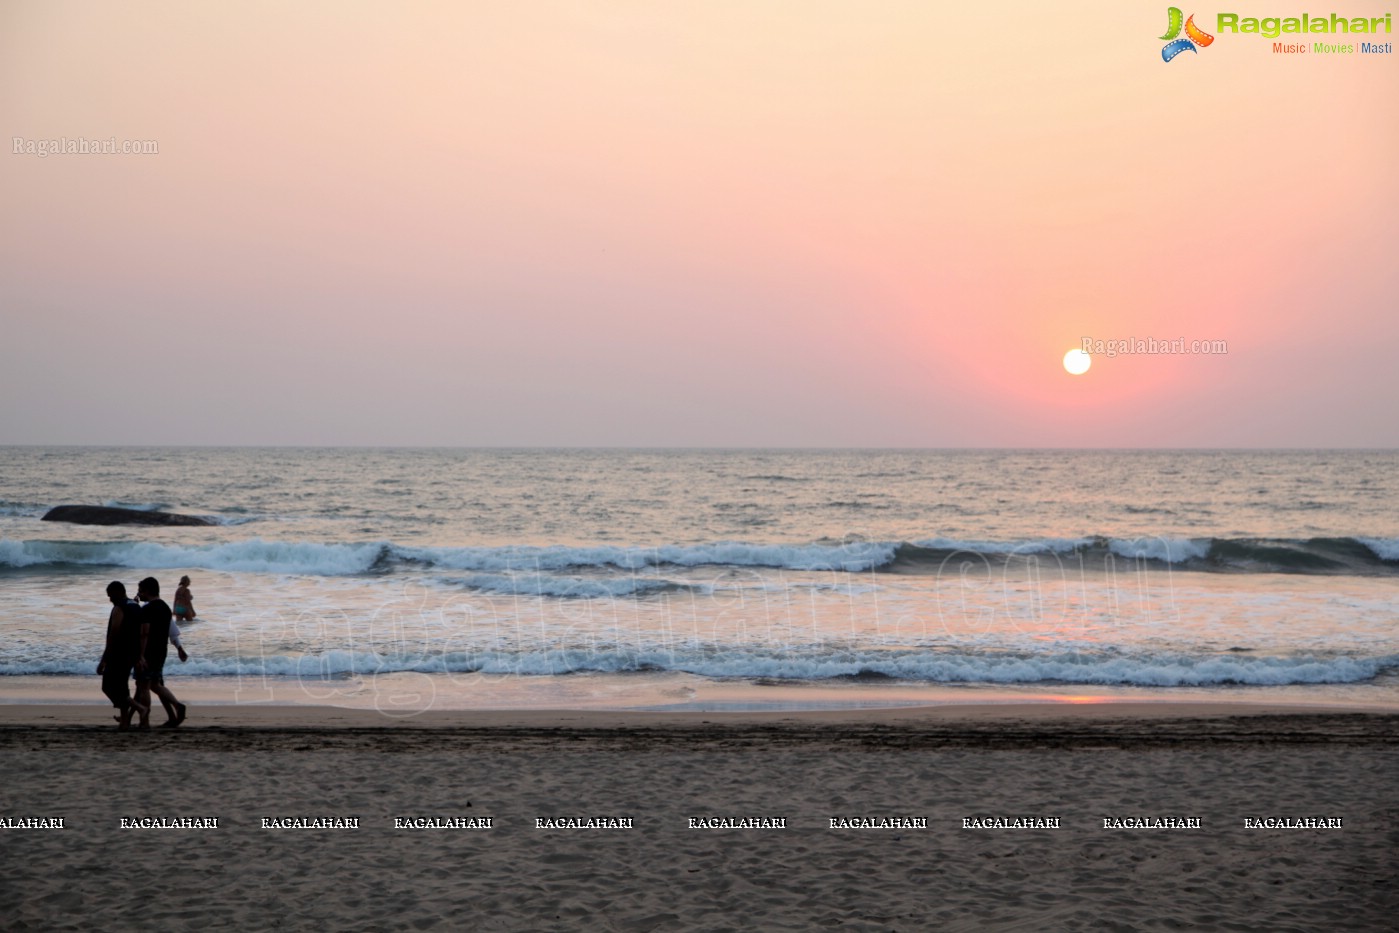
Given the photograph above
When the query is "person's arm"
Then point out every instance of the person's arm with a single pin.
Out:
(141, 653)
(113, 627)
(175, 640)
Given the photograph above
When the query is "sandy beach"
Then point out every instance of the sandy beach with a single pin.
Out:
(953, 818)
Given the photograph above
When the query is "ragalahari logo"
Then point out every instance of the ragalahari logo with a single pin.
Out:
(1194, 36)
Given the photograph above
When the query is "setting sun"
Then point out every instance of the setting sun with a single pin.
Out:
(1077, 362)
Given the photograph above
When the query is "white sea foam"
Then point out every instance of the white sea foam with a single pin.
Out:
(21, 554)
(1169, 550)
(1161, 670)
(1028, 546)
(848, 557)
(134, 506)
(257, 555)
(1383, 548)
(261, 556)
(252, 556)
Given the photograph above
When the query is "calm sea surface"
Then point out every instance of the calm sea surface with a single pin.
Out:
(703, 578)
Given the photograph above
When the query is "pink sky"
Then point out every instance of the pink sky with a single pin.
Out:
(701, 224)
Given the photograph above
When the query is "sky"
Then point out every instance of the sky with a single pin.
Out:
(735, 223)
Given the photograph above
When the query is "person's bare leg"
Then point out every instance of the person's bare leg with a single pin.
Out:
(142, 704)
(167, 700)
(174, 709)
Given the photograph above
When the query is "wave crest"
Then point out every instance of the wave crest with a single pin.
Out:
(940, 667)
(1367, 555)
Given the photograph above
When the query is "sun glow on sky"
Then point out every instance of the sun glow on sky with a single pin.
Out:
(755, 224)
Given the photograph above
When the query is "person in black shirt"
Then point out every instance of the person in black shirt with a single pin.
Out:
(123, 647)
(155, 642)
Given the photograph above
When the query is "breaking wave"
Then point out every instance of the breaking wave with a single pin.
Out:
(1362, 555)
(811, 664)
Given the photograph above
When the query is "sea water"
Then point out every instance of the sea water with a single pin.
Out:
(411, 578)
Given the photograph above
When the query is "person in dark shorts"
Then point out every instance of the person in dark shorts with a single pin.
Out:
(154, 645)
(123, 647)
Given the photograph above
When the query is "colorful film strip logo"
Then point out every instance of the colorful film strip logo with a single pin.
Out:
(1194, 36)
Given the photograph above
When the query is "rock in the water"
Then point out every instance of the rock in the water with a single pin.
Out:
(106, 515)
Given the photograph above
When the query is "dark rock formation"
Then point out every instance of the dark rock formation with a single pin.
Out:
(105, 515)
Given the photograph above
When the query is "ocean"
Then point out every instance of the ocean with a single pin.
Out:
(403, 579)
